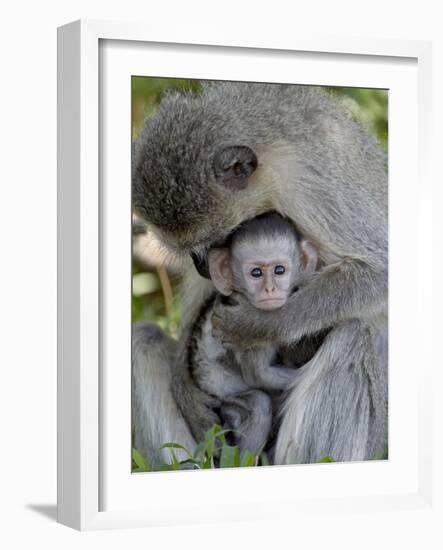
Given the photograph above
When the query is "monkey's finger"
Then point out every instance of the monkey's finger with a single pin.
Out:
(204, 419)
(212, 402)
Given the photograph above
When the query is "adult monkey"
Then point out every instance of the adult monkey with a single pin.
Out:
(204, 164)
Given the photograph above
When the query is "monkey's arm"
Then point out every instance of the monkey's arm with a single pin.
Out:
(257, 371)
(339, 292)
(196, 405)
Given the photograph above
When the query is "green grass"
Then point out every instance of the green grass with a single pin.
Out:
(213, 452)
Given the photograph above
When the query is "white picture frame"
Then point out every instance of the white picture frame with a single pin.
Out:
(95, 487)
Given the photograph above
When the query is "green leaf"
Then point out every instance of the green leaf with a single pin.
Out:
(326, 459)
(219, 433)
(141, 463)
(171, 446)
(175, 461)
(176, 446)
(199, 450)
(248, 459)
(229, 457)
(207, 463)
(209, 444)
(264, 460)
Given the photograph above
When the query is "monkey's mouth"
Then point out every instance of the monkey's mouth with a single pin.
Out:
(199, 254)
(202, 247)
(270, 303)
(201, 263)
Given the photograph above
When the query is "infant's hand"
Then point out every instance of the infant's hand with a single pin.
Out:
(233, 323)
(200, 413)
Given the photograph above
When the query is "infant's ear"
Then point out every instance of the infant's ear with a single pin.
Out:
(220, 270)
(310, 256)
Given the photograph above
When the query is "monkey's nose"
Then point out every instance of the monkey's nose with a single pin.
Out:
(270, 290)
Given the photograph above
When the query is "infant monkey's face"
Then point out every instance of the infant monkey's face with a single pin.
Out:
(265, 271)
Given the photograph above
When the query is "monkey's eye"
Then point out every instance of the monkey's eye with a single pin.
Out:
(279, 270)
(256, 272)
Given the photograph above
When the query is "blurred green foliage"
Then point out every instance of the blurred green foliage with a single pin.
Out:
(150, 297)
(370, 107)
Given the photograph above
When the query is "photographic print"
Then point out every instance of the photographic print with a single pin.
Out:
(260, 274)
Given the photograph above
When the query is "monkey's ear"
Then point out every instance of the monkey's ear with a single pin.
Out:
(220, 270)
(233, 165)
(310, 256)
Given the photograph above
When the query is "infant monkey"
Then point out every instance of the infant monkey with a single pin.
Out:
(265, 260)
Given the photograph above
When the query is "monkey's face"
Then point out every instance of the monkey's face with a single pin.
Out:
(191, 182)
(265, 271)
(193, 206)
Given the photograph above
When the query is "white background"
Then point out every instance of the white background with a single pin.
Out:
(28, 274)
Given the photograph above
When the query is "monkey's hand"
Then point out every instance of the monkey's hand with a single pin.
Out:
(196, 405)
(331, 296)
(200, 413)
(235, 324)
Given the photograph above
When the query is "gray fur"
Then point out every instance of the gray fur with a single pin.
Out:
(321, 169)
(156, 417)
(270, 226)
(317, 420)
(258, 371)
(230, 373)
(218, 371)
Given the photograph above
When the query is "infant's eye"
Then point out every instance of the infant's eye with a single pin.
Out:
(279, 270)
(256, 272)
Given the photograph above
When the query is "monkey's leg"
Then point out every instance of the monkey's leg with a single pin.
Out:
(249, 414)
(155, 415)
(257, 371)
(338, 406)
